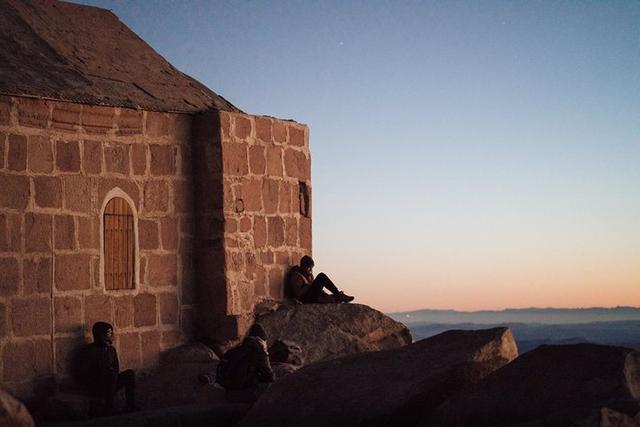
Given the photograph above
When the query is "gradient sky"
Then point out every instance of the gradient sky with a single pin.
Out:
(468, 155)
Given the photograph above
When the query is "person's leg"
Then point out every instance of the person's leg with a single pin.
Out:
(329, 285)
(108, 388)
(314, 292)
(127, 379)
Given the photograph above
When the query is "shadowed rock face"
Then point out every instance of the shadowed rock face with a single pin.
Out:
(385, 388)
(327, 331)
(551, 385)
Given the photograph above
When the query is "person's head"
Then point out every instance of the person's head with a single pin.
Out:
(256, 330)
(306, 264)
(102, 332)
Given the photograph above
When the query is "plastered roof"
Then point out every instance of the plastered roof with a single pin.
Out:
(64, 51)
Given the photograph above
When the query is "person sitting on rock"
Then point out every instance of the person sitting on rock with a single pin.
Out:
(245, 371)
(101, 370)
(308, 290)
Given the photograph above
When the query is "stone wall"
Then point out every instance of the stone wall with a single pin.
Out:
(262, 167)
(59, 163)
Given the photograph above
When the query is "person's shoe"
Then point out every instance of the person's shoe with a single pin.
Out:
(205, 379)
(342, 297)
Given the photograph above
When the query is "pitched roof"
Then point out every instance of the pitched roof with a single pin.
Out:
(64, 51)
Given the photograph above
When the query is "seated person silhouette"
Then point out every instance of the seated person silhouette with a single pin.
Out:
(245, 371)
(101, 374)
(309, 290)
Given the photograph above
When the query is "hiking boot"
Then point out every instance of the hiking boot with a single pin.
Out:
(342, 297)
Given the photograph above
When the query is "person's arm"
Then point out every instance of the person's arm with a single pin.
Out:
(265, 373)
(298, 284)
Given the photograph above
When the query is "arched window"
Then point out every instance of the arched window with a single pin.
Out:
(119, 245)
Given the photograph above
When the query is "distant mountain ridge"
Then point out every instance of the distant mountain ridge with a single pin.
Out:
(531, 315)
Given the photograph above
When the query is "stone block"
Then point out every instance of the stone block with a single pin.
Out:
(40, 154)
(163, 160)
(275, 227)
(276, 277)
(33, 112)
(162, 270)
(243, 127)
(3, 320)
(88, 237)
(156, 194)
(31, 316)
(77, 193)
(251, 194)
(15, 191)
(171, 339)
(263, 129)
(37, 276)
(139, 159)
(10, 232)
(64, 232)
(150, 348)
(234, 158)
(68, 314)
(257, 159)
(260, 282)
(270, 195)
(5, 110)
(145, 310)
(65, 350)
(279, 130)
(18, 361)
(305, 233)
(123, 311)
(92, 151)
(282, 258)
(294, 164)
(225, 125)
(245, 224)
(65, 116)
(259, 231)
(296, 135)
(267, 258)
(116, 157)
(129, 350)
(97, 308)
(169, 308)
(291, 231)
(274, 161)
(182, 196)
(72, 272)
(129, 122)
(37, 232)
(284, 206)
(3, 137)
(43, 356)
(17, 156)
(97, 120)
(230, 225)
(68, 156)
(130, 187)
(148, 234)
(10, 277)
(169, 232)
(158, 124)
(48, 191)
(180, 129)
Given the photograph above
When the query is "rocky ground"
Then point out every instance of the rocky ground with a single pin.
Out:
(362, 370)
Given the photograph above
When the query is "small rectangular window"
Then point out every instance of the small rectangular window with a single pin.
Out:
(119, 247)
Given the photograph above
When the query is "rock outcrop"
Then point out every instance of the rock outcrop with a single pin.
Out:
(327, 331)
(13, 413)
(581, 384)
(384, 388)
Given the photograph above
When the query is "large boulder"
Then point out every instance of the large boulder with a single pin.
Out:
(385, 388)
(327, 331)
(13, 413)
(551, 385)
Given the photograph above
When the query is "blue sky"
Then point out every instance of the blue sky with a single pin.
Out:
(469, 155)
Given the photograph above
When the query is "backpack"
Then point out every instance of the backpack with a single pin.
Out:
(235, 370)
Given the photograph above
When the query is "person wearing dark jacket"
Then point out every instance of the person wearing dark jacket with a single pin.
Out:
(247, 372)
(102, 376)
(308, 290)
